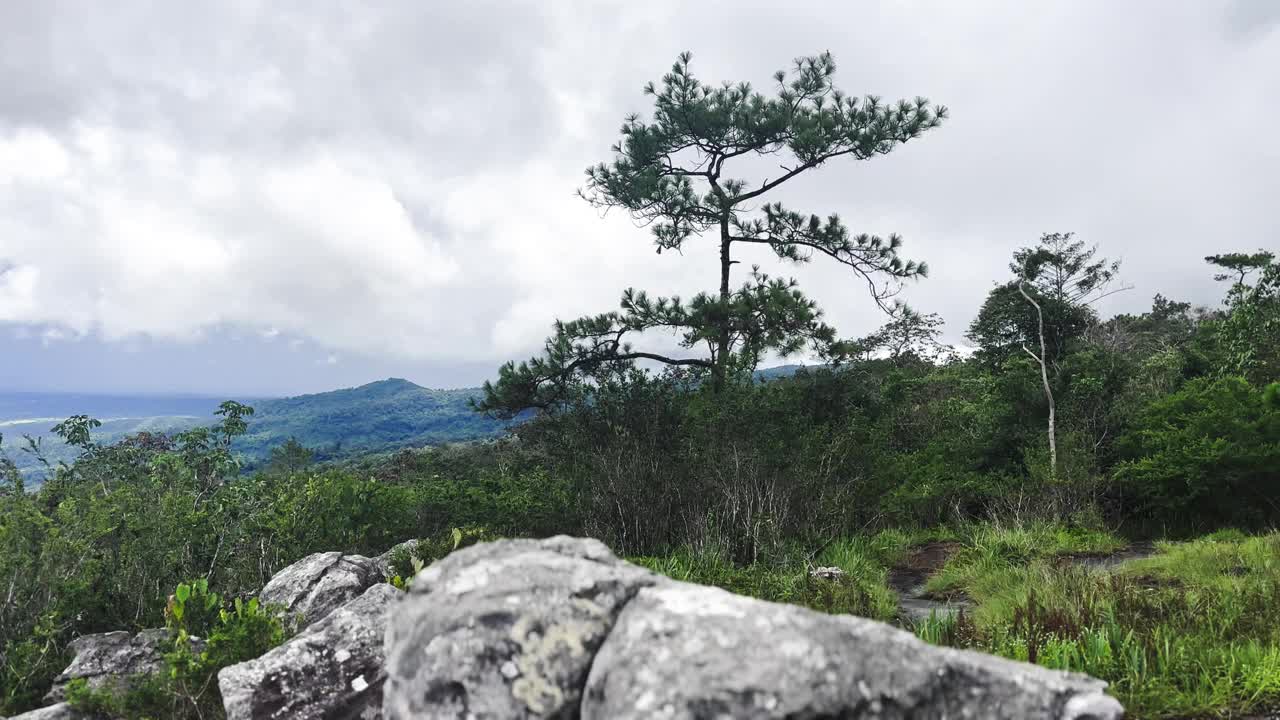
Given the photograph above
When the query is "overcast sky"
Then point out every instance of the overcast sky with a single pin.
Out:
(278, 197)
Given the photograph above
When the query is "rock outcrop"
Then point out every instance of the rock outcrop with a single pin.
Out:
(687, 651)
(384, 560)
(60, 711)
(112, 658)
(333, 669)
(505, 630)
(316, 584)
(561, 627)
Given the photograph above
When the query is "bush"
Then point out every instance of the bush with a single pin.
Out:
(1208, 454)
(232, 633)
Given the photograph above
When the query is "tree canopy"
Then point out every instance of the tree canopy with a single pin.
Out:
(678, 174)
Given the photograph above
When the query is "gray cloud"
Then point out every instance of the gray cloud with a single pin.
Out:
(397, 183)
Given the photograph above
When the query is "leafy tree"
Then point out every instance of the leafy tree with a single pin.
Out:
(909, 335)
(10, 477)
(289, 458)
(1061, 278)
(675, 173)
(1250, 333)
(75, 430)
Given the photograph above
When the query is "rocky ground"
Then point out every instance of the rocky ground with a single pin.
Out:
(562, 628)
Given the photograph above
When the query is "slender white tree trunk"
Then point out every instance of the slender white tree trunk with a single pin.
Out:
(1044, 377)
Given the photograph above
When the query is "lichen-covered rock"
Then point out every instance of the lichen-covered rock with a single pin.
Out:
(687, 651)
(562, 628)
(333, 669)
(61, 711)
(316, 584)
(505, 629)
(105, 659)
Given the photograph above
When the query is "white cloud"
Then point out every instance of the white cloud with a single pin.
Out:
(399, 182)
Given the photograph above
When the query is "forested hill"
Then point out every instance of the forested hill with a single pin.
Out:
(382, 415)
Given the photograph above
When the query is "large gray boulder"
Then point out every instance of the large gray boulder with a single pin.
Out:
(562, 628)
(333, 669)
(505, 630)
(111, 659)
(687, 651)
(316, 584)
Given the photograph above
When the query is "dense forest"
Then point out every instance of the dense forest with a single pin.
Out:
(1097, 493)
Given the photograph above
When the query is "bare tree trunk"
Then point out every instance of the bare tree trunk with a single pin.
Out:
(1044, 377)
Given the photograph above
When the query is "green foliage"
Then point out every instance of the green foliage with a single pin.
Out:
(193, 609)
(1207, 453)
(75, 430)
(1186, 633)
(289, 458)
(208, 634)
(675, 173)
(383, 416)
(1005, 323)
(1249, 335)
(286, 434)
(988, 552)
(409, 559)
(712, 473)
(1240, 266)
(861, 591)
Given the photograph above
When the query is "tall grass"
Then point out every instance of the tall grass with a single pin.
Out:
(989, 551)
(861, 591)
(1189, 632)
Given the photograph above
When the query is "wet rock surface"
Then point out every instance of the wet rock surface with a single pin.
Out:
(908, 581)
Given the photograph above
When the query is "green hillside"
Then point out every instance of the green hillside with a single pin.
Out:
(383, 415)
(380, 416)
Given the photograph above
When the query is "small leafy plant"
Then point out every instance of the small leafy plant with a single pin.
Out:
(229, 633)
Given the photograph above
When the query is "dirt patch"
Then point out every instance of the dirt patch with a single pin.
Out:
(922, 561)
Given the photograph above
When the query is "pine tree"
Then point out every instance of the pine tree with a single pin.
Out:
(675, 173)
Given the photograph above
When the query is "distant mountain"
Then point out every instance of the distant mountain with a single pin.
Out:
(782, 371)
(378, 417)
(384, 415)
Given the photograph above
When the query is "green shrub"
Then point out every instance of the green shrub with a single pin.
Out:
(232, 633)
(408, 559)
(1207, 454)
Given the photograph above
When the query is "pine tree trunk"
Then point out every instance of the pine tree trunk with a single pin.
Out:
(720, 371)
